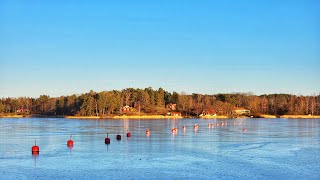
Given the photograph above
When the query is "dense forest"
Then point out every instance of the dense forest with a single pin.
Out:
(150, 101)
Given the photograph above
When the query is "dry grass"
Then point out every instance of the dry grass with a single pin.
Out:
(12, 116)
(300, 116)
(268, 116)
(147, 117)
(214, 117)
(82, 117)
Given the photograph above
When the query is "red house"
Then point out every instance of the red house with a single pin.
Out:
(22, 110)
(175, 113)
(208, 112)
(126, 109)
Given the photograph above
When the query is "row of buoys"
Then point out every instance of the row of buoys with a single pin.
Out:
(36, 150)
(219, 124)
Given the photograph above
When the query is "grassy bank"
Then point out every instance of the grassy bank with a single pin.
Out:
(301, 116)
(125, 117)
(83, 117)
(147, 117)
(214, 117)
(12, 116)
(267, 116)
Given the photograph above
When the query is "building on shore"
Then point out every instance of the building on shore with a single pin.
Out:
(23, 110)
(241, 111)
(126, 109)
(175, 113)
(208, 112)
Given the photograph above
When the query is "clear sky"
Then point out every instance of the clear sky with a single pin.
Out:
(201, 46)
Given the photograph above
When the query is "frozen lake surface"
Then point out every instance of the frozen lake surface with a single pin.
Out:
(270, 149)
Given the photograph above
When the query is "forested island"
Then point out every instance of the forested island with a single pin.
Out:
(137, 102)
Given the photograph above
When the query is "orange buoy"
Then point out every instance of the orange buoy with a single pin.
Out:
(196, 126)
(148, 132)
(118, 136)
(174, 130)
(107, 140)
(128, 134)
(35, 149)
(70, 142)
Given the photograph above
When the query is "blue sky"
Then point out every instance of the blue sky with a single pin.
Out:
(65, 47)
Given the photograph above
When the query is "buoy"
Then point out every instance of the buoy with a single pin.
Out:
(174, 130)
(118, 136)
(35, 149)
(70, 142)
(244, 130)
(128, 134)
(107, 140)
(148, 132)
(196, 126)
(184, 128)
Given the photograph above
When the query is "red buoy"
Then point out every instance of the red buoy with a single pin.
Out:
(128, 134)
(174, 130)
(118, 137)
(107, 140)
(148, 132)
(35, 149)
(70, 142)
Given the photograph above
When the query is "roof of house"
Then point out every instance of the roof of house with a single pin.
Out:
(239, 108)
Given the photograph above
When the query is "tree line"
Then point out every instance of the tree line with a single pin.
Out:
(150, 101)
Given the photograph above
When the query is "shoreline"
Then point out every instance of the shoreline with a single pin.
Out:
(266, 116)
(147, 117)
(214, 117)
(300, 116)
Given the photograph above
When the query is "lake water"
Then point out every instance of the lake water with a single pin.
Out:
(269, 149)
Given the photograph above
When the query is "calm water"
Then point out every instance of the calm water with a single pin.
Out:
(270, 149)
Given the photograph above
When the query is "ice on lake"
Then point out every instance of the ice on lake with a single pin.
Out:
(269, 149)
